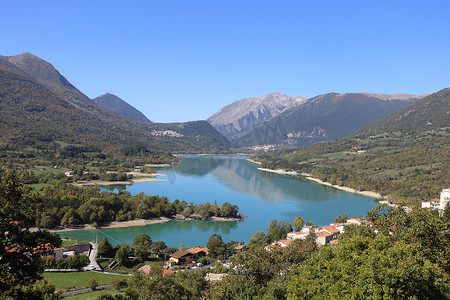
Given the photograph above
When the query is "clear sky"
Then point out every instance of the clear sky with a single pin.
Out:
(183, 60)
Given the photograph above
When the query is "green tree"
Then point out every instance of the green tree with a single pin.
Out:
(278, 230)
(20, 249)
(141, 244)
(104, 248)
(341, 218)
(258, 239)
(122, 254)
(93, 284)
(216, 246)
(298, 223)
(406, 259)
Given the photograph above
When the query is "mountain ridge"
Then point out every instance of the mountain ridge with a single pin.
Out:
(114, 103)
(322, 118)
(248, 112)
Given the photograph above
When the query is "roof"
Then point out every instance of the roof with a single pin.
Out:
(239, 247)
(330, 229)
(167, 272)
(354, 219)
(324, 233)
(145, 269)
(196, 250)
(180, 253)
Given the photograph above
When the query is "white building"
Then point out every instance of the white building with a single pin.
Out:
(445, 198)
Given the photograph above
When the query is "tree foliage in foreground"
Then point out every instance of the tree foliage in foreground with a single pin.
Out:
(20, 249)
(407, 259)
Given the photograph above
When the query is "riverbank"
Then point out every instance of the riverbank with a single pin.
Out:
(317, 180)
(253, 161)
(135, 223)
(142, 178)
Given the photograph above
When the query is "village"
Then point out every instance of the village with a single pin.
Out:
(195, 258)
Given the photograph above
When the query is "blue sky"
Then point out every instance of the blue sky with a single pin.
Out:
(183, 60)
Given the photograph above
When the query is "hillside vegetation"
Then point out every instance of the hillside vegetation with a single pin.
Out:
(40, 124)
(407, 160)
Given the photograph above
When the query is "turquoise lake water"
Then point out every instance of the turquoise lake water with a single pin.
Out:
(261, 196)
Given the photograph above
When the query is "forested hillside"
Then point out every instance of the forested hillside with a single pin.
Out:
(407, 160)
(37, 123)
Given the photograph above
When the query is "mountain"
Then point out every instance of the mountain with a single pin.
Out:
(403, 156)
(48, 76)
(249, 112)
(429, 113)
(114, 103)
(324, 118)
(36, 120)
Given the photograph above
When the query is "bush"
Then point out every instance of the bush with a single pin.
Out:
(93, 284)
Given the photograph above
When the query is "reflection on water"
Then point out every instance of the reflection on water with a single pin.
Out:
(114, 188)
(243, 177)
(172, 233)
(260, 195)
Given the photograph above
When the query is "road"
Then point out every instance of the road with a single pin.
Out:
(93, 265)
(87, 290)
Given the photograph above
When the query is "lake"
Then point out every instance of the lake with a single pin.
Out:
(261, 196)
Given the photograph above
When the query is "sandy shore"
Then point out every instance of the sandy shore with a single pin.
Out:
(143, 177)
(339, 187)
(133, 223)
(157, 165)
(253, 161)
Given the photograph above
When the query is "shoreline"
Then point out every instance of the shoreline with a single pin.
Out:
(135, 223)
(317, 180)
(253, 161)
(142, 178)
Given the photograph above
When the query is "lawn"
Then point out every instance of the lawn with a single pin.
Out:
(90, 295)
(71, 242)
(64, 281)
(39, 186)
(130, 269)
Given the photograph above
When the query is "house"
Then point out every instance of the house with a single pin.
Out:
(199, 251)
(181, 257)
(324, 238)
(241, 248)
(58, 253)
(280, 244)
(307, 229)
(69, 173)
(433, 204)
(445, 199)
(356, 221)
(326, 234)
(297, 235)
(146, 269)
(79, 248)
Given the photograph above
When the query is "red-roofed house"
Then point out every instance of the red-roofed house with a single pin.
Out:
(199, 251)
(281, 244)
(356, 221)
(145, 269)
(240, 248)
(297, 235)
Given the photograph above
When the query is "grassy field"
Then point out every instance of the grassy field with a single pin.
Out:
(39, 186)
(104, 262)
(71, 242)
(90, 295)
(63, 281)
